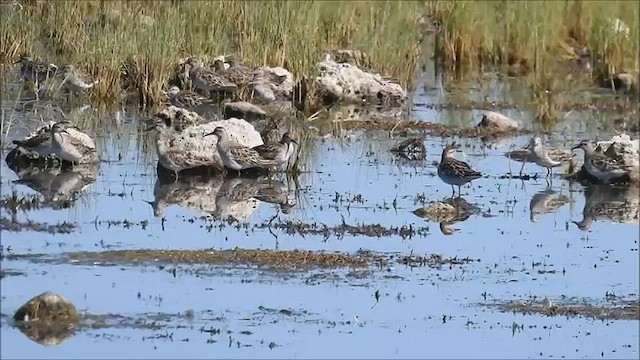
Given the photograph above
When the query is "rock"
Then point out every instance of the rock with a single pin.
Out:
(192, 137)
(263, 92)
(271, 84)
(345, 82)
(47, 319)
(625, 82)
(497, 122)
(243, 110)
(47, 307)
(624, 150)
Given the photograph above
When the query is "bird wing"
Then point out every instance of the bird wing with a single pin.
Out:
(606, 163)
(216, 80)
(462, 169)
(268, 151)
(187, 159)
(243, 154)
(33, 142)
(559, 155)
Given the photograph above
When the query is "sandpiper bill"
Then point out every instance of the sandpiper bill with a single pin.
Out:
(455, 172)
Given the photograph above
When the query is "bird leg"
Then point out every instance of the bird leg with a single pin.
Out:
(522, 168)
(453, 191)
(459, 191)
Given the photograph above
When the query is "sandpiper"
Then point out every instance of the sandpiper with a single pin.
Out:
(547, 157)
(238, 157)
(41, 142)
(186, 99)
(280, 152)
(63, 146)
(36, 71)
(455, 172)
(599, 165)
(75, 81)
(175, 159)
(207, 80)
(236, 73)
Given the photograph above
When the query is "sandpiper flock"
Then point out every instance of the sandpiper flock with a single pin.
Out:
(74, 148)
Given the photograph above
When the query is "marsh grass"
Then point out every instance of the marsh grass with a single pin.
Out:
(135, 45)
(534, 37)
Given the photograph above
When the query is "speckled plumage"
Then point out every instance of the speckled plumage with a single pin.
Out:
(236, 73)
(599, 165)
(238, 157)
(176, 159)
(36, 71)
(280, 152)
(453, 171)
(186, 99)
(75, 81)
(208, 80)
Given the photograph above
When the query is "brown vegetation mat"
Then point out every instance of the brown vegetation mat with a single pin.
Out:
(283, 259)
(430, 128)
(619, 310)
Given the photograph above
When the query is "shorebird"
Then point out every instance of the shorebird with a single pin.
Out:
(455, 172)
(63, 146)
(186, 99)
(208, 80)
(236, 73)
(238, 157)
(75, 81)
(599, 165)
(42, 141)
(36, 71)
(280, 152)
(547, 157)
(175, 159)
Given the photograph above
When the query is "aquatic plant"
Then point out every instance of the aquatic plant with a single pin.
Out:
(536, 37)
(135, 45)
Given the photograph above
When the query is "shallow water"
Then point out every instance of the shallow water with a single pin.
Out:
(420, 312)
